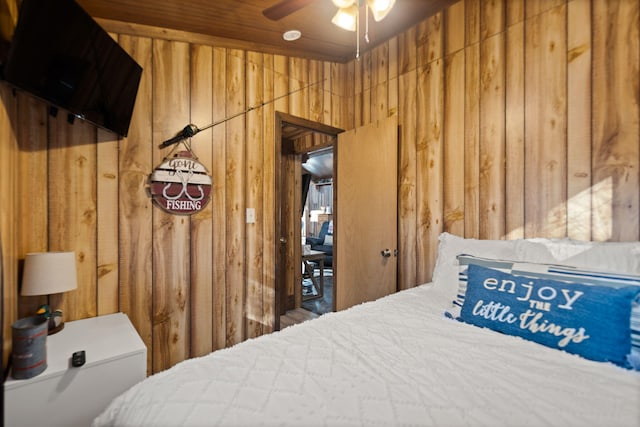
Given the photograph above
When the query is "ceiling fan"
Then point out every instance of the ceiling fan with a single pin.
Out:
(379, 8)
(347, 17)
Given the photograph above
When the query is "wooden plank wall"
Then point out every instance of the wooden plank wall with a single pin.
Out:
(190, 284)
(517, 119)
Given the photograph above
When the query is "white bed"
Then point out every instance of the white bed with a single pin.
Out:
(395, 361)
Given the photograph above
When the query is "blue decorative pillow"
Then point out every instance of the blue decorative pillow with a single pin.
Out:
(554, 272)
(463, 264)
(590, 320)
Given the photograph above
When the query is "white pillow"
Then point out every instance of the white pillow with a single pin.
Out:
(328, 240)
(617, 257)
(445, 272)
(620, 257)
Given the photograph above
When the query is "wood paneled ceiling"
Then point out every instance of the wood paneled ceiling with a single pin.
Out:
(243, 22)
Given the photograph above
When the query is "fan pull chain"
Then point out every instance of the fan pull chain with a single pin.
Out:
(358, 33)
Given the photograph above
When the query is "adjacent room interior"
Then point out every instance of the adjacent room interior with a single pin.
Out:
(317, 231)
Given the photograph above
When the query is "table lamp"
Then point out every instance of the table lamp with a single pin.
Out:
(47, 273)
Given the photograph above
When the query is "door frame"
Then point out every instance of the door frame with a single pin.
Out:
(285, 145)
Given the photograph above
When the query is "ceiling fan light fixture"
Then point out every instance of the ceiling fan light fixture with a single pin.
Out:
(345, 18)
(380, 8)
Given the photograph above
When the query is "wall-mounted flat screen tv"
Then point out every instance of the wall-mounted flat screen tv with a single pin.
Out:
(61, 55)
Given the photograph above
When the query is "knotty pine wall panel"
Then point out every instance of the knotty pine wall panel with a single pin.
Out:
(218, 200)
(471, 123)
(615, 120)
(533, 105)
(33, 156)
(579, 29)
(545, 121)
(72, 209)
(453, 144)
(171, 258)
(492, 136)
(235, 262)
(269, 238)
(107, 220)
(407, 82)
(514, 127)
(429, 143)
(201, 107)
(10, 156)
(254, 196)
(135, 211)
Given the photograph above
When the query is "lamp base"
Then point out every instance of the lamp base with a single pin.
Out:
(56, 329)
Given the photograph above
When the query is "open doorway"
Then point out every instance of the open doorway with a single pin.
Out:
(300, 141)
(317, 231)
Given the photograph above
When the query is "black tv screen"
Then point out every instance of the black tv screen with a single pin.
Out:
(61, 55)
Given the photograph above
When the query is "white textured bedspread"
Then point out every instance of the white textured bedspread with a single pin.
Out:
(396, 361)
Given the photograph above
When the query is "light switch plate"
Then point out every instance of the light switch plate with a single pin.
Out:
(251, 215)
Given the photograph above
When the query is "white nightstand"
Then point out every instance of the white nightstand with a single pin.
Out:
(62, 395)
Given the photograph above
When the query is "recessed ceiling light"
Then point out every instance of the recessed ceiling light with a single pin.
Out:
(291, 35)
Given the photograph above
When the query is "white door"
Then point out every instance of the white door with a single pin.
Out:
(366, 164)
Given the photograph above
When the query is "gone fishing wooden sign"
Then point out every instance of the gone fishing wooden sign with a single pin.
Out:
(181, 184)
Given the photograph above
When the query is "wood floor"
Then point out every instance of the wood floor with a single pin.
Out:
(297, 315)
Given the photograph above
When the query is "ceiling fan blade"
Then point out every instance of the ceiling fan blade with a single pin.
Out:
(284, 8)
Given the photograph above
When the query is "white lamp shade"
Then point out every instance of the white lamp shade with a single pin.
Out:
(342, 4)
(48, 273)
(346, 18)
(380, 8)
